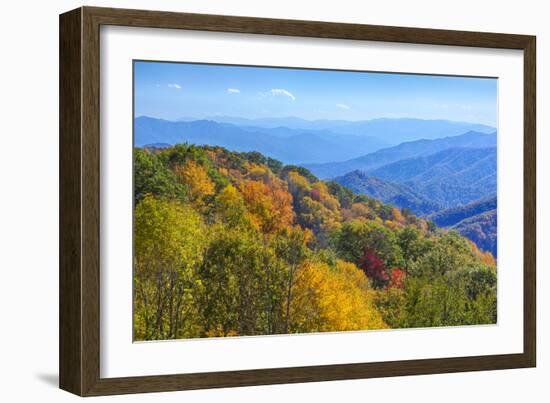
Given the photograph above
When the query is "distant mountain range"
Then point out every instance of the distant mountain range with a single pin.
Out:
(291, 146)
(476, 221)
(399, 195)
(390, 130)
(402, 151)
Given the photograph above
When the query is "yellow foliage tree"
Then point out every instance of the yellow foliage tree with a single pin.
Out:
(358, 211)
(259, 172)
(197, 180)
(328, 200)
(333, 299)
(169, 241)
(397, 216)
(230, 206)
(422, 225)
(297, 184)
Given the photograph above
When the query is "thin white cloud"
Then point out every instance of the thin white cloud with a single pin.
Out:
(343, 106)
(282, 91)
(234, 90)
(174, 86)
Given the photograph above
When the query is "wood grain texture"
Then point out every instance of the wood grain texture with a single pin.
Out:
(80, 201)
(530, 203)
(70, 275)
(90, 202)
(316, 29)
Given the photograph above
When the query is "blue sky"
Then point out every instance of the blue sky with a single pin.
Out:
(184, 90)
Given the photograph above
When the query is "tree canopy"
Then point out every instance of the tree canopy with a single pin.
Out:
(229, 244)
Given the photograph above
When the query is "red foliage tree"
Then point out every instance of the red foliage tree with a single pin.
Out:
(374, 268)
(397, 278)
(315, 194)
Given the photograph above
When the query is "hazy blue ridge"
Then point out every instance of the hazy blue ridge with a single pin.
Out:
(449, 178)
(291, 146)
(388, 192)
(390, 130)
(452, 216)
(403, 151)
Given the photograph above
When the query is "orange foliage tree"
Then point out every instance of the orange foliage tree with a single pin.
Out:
(195, 177)
(269, 204)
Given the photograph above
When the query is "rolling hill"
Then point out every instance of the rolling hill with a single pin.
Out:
(434, 184)
(449, 178)
(452, 216)
(476, 221)
(481, 229)
(403, 151)
(388, 192)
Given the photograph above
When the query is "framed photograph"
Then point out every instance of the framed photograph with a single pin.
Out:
(249, 201)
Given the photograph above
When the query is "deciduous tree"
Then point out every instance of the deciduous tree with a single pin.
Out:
(169, 239)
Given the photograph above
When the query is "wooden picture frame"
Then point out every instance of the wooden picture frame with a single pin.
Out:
(79, 348)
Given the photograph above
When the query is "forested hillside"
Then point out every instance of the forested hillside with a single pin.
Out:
(452, 216)
(482, 229)
(476, 220)
(230, 243)
(449, 178)
(399, 195)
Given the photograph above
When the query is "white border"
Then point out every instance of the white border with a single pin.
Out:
(120, 357)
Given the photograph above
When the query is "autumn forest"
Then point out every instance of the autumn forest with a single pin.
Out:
(237, 243)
